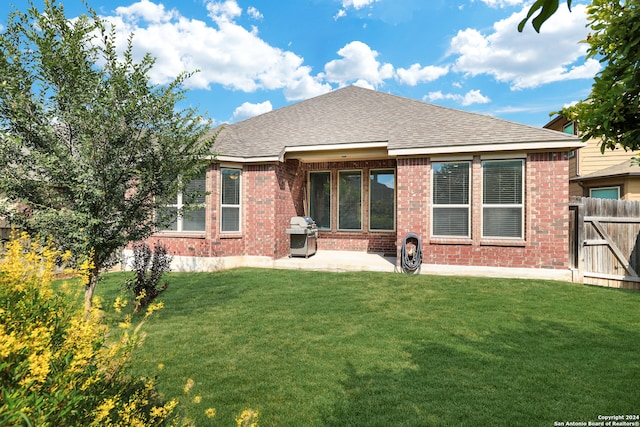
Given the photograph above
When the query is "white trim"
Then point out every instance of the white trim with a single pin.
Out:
(514, 146)
(238, 159)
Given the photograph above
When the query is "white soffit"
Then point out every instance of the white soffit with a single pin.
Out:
(487, 148)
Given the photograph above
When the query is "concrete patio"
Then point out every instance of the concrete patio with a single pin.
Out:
(340, 261)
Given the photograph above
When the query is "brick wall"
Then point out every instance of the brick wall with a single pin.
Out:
(546, 217)
(273, 193)
(289, 194)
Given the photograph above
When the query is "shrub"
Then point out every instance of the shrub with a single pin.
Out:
(57, 367)
(149, 266)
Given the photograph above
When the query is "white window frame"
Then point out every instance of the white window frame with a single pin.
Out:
(612, 187)
(468, 205)
(179, 205)
(227, 205)
(361, 197)
(371, 171)
(518, 205)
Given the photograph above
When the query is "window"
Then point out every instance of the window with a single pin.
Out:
(187, 211)
(569, 128)
(230, 201)
(451, 195)
(350, 200)
(503, 198)
(382, 196)
(605, 193)
(320, 199)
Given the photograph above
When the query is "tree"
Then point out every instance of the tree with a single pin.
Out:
(546, 7)
(611, 112)
(89, 147)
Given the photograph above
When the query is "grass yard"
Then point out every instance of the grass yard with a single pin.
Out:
(376, 349)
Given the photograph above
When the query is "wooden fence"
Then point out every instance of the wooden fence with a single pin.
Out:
(604, 242)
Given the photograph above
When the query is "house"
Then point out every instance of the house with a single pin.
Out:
(592, 173)
(370, 167)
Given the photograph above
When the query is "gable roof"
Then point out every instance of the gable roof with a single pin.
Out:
(354, 117)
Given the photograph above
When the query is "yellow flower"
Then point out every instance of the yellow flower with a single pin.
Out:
(197, 399)
(160, 366)
(154, 307)
(103, 409)
(210, 412)
(119, 304)
(188, 386)
(248, 418)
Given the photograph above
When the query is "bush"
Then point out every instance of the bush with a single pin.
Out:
(149, 266)
(57, 367)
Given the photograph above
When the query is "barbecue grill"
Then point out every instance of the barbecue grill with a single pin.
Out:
(303, 236)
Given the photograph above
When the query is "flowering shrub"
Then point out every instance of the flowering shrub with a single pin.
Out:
(56, 366)
(149, 266)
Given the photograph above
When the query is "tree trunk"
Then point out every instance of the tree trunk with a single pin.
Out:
(88, 291)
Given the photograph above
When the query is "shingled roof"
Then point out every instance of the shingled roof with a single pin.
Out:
(623, 169)
(354, 116)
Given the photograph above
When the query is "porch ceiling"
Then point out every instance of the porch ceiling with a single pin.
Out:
(337, 153)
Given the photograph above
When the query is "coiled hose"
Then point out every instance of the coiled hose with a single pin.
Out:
(411, 254)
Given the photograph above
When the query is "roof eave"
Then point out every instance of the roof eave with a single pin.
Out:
(475, 148)
(240, 159)
(603, 177)
(301, 150)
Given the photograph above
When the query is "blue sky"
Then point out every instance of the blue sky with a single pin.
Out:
(259, 55)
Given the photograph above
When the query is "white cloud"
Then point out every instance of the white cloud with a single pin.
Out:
(418, 74)
(358, 63)
(501, 3)
(254, 13)
(357, 4)
(224, 11)
(471, 97)
(248, 109)
(341, 14)
(146, 11)
(305, 87)
(226, 53)
(527, 59)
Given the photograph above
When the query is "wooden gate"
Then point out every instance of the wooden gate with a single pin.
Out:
(604, 242)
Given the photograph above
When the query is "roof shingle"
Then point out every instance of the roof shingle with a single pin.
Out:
(357, 115)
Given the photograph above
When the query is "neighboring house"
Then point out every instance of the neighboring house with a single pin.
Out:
(369, 168)
(593, 173)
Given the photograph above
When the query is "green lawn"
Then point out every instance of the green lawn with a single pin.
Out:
(378, 349)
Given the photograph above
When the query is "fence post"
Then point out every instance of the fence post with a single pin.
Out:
(576, 239)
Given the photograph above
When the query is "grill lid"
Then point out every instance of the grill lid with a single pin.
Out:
(302, 222)
(302, 225)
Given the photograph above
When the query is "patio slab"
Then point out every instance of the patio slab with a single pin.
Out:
(324, 260)
(340, 261)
